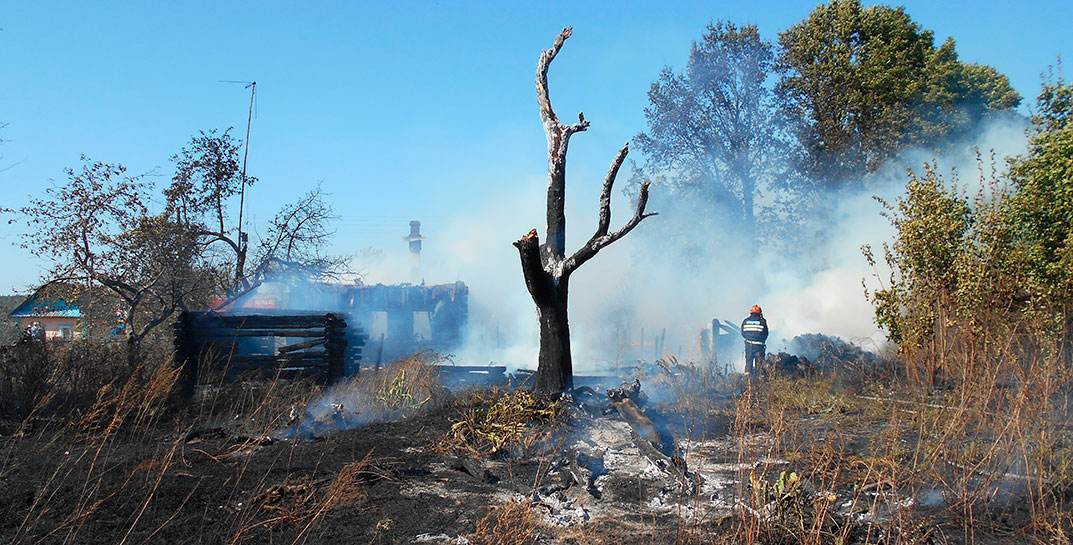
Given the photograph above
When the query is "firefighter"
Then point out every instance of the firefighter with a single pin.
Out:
(754, 331)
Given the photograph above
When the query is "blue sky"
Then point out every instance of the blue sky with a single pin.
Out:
(400, 110)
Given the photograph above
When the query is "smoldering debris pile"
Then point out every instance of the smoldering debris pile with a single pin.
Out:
(783, 364)
(622, 456)
(815, 353)
(617, 452)
(827, 352)
(422, 383)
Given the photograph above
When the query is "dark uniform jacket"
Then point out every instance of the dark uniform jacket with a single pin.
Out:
(754, 329)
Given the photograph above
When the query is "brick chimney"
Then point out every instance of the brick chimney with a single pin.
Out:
(414, 240)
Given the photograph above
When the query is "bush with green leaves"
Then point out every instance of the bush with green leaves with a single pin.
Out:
(992, 269)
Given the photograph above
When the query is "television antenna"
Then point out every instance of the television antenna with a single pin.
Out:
(252, 86)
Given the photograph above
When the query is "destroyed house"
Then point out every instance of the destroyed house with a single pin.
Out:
(399, 320)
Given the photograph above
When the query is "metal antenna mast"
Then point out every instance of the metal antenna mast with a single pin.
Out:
(252, 86)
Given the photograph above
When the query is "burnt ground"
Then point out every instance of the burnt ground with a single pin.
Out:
(203, 486)
(214, 490)
(594, 481)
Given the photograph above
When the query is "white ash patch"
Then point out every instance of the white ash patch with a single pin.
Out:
(418, 488)
(440, 538)
(563, 509)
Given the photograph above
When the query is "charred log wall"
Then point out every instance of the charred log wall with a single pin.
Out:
(210, 347)
(410, 318)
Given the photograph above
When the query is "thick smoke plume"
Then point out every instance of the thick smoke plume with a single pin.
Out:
(674, 275)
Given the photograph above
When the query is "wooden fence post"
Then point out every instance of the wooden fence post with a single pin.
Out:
(185, 358)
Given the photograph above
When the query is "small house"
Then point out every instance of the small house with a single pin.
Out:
(49, 317)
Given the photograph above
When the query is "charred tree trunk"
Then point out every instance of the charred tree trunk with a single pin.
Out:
(546, 268)
(555, 368)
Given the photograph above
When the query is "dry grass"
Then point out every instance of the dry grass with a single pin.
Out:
(404, 388)
(50, 379)
(303, 503)
(494, 420)
(131, 407)
(95, 474)
(822, 461)
(984, 459)
(513, 523)
(135, 401)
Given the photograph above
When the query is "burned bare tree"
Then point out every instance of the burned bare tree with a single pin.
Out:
(546, 267)
(295, 240)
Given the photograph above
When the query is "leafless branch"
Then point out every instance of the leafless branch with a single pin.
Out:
(602, 239)
(558, 136)
(547, 114)
(605, 194)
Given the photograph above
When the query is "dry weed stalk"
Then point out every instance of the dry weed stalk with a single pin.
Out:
(513, 523)
(304, 503)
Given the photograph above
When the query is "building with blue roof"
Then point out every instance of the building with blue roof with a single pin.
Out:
(51, 317)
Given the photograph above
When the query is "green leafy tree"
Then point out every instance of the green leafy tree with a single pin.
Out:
(712, 130)
(208, 178)
(863, 83)
(931, 222)
(1042, 208)
(208, 175)
(99, 236)
(992, 273)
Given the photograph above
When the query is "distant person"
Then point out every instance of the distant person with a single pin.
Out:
(754, 331)
(35, 331)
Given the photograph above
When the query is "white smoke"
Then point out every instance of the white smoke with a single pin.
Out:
(670, 280)
(832, 300)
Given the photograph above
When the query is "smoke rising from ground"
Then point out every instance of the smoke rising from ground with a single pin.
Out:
(679, 270)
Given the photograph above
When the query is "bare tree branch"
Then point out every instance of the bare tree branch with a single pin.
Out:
(605, 195)
(296, 240)
(547, 114)
(602, 240)
(558, 136)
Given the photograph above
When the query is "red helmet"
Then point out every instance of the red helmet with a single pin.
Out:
(756, 310)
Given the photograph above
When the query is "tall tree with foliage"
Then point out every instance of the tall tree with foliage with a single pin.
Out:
(208, 175)
(863, 83)
(712, 130)
(990, 271)
(1042, 208)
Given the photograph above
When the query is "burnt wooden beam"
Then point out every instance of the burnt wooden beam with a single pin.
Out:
(262, 321)
(300, 346)
(335, 347)
(225, 333)
(304, 358)
(185, 357)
